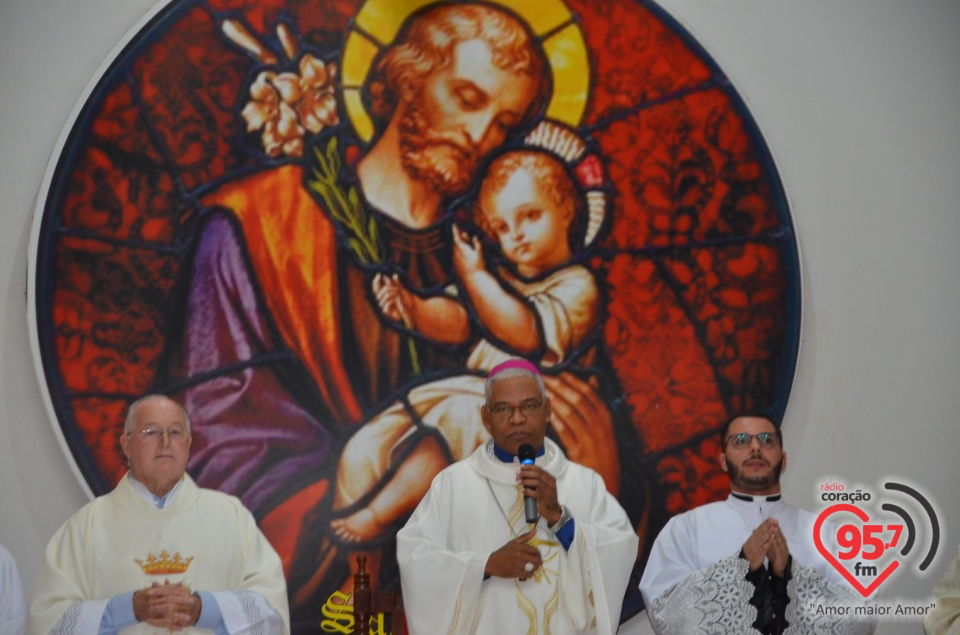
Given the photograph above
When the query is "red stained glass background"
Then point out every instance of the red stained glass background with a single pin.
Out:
(698, 258)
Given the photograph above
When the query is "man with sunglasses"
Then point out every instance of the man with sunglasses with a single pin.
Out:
(470, 563)
(159, 554)
(747, 565)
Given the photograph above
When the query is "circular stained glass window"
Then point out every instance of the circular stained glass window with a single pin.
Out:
(260, 210)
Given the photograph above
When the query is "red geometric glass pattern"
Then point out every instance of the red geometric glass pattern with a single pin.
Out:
(697, 258)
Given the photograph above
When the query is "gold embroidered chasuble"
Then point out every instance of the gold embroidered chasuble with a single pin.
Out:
(472, 509)
(120, 542)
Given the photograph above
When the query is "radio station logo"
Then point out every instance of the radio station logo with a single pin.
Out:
(868, 536)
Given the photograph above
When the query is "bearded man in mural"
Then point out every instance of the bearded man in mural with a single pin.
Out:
(278, 350)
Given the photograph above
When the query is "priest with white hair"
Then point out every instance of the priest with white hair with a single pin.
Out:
(159, 554)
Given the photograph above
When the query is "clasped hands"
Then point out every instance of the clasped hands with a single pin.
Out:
(170, 606)
(518, 558)
(767, 541)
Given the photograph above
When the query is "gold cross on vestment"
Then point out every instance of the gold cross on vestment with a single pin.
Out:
(540, 542)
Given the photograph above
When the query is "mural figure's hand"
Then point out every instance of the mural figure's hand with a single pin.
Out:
(584, 425)
(467, 253)
(394, 300)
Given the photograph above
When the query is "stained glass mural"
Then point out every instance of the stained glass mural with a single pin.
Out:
(219, 226)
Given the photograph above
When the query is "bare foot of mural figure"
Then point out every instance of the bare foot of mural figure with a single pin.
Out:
(359, 527)
(399, 494)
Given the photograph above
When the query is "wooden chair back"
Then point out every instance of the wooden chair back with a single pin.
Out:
(367, 603)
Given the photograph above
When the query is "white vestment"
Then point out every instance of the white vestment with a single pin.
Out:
(13, 606)
(473, 508)
(204, 539)
(944, 619)
(695, 580)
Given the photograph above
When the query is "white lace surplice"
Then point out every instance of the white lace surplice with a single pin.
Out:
(695, 581)
(944, 619)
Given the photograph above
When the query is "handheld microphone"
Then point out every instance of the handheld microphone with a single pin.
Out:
(528, 456)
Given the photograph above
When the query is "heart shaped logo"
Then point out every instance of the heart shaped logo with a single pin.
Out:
(862, 515)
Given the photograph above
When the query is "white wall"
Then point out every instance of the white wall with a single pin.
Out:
(860, 103)
(49, 49)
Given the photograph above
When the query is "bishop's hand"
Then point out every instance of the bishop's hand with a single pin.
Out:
(516, 559)
(540, 484)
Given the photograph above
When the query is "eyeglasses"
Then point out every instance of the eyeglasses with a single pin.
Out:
(502, 412)
(742, 441)
(154, 435)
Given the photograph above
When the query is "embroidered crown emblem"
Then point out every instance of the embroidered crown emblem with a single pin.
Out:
(164, 565)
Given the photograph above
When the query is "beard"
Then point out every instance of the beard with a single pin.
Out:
(748, 484)
(445, 160)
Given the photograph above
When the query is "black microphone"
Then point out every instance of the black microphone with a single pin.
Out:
(527, 456)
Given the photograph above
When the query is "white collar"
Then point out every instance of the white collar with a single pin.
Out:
(747, 498)
(161, 502)
(755, 506)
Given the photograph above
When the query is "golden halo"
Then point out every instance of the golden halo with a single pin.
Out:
(378, 22)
